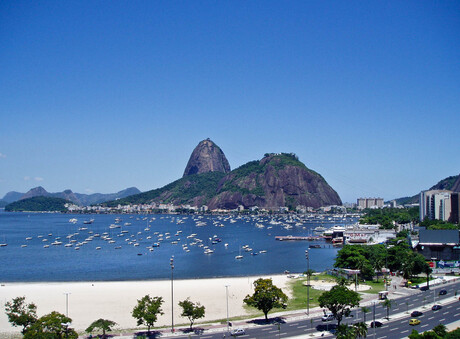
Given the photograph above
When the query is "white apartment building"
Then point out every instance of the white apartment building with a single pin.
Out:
(435, 204)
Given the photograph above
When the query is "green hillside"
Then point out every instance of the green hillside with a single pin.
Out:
(181, 191)
(38, 204)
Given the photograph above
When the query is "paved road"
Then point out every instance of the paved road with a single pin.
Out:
(396, 327)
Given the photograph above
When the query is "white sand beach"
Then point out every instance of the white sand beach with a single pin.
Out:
(89, 301)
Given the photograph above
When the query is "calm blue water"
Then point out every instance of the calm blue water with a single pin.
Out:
(60, 263)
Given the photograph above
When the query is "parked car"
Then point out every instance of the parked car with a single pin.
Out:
(442, 292)
(327, 317)
(436, 307)
(416, 314)
(376, 324)
(414, 322)
(424, 288)
(238, 331)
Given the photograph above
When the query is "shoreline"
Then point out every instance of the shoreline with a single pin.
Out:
(114, 300)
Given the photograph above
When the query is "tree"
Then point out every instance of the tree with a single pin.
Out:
(365, 309)
(266, 296)
(147, 310)
(191, 310)
(51, 326)
(20, 313)
(388, 303)
(102, 324)
(440, 330)
(360, 329)
(345, 332)
(338, 300)
(428, 270)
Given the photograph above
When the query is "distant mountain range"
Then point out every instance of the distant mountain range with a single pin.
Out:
(451, 183)
(274, 181)
(76, 198)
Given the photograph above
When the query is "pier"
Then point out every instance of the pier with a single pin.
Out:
(291, 237)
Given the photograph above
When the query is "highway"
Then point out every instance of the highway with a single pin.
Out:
(397, 327)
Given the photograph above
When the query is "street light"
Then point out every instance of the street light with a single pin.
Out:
(171, 263)
(67, 303)
(226, 292)
(308, 281)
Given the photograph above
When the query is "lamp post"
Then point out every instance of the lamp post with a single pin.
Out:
(171, 263)
(67, 303)
(308, 281)
(226, 293)
(373, 317)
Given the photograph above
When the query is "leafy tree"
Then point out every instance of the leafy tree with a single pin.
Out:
(365, 310)
(20, 313)
(266, 296)
(51, 326)
(191, 310)
(345, 332)
(440, 330)
(428, 270)
(102, 324)
(360, 329)
(388, 303)
(147, 310)
(338, 300)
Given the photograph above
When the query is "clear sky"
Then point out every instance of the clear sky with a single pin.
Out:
(98, 96)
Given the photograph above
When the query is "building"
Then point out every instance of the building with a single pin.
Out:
(455, 208)
(437, 245)
(436, 204)
(370, 203)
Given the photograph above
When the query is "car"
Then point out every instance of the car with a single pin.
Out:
(442, 292)
(238, 331)
(424, 288)
(328, 317)
(414, 322)
(416, 314)
(376, 324)
(436, 307)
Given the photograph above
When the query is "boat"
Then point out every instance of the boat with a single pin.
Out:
(87, 222)
(314, 246)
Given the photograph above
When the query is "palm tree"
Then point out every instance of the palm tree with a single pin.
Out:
(388, 303)
(360, 329)
(365, 310)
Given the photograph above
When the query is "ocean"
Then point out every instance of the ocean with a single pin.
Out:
(120, 247)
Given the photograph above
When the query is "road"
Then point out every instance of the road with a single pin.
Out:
(396, 327)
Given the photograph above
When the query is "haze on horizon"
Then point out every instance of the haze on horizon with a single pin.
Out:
(101, 96)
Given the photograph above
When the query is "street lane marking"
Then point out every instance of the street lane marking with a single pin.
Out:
(424, 325)
(302, 326)
(430, 318)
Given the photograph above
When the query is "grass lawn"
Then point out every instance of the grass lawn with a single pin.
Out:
(376, 287)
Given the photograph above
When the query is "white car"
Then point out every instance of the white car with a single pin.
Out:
(238, 331)
(328, 317)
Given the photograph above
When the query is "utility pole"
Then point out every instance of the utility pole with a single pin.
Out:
(67, 303)
(171, 263)
(226, 290)
(308, 281)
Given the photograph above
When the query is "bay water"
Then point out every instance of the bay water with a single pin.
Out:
(120, 247)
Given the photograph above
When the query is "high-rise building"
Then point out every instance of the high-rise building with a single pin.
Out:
(370, 203)
(455, 208)
(435, 204)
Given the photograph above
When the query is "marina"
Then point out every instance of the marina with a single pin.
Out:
(62, 247)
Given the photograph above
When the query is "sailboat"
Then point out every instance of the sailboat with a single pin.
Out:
(239, 256)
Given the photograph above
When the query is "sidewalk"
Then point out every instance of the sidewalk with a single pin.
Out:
(298, 315)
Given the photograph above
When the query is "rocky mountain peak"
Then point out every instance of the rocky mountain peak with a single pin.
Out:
(207, 157)
(35, 192)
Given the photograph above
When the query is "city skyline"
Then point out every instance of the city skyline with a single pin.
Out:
(98, 97)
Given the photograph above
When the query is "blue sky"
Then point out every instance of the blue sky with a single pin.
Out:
(97, 96)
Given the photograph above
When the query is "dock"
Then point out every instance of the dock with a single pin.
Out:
(291, 237)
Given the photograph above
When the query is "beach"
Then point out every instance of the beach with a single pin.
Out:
(114, 300)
